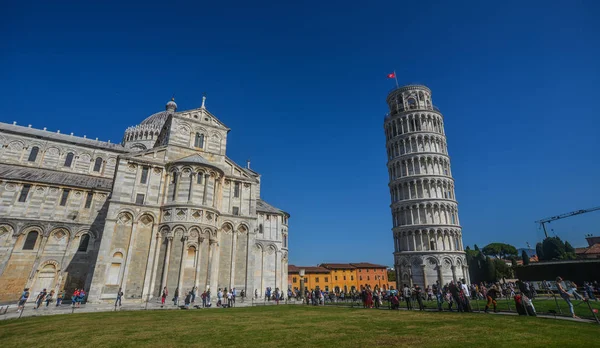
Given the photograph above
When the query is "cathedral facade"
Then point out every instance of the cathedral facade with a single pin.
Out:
(165, 208)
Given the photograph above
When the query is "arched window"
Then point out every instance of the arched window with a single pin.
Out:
(30, 240)
(69, 159)
(115, 269)
(98, 164)
(199, 141)
(33, 154)
(83, 242)
(260, 228)
(412, 103)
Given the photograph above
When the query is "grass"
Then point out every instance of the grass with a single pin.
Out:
(285, 326)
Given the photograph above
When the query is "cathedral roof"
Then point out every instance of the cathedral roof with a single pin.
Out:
(267, 208)
(157, 120)
(195, 159)
(28, 174)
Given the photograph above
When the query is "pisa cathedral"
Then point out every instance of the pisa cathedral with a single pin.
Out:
(426, 231)
(165, 208)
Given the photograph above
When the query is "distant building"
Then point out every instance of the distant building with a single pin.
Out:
(592, 251)
(339, 277)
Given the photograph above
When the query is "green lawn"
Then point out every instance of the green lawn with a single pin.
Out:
(288, 326)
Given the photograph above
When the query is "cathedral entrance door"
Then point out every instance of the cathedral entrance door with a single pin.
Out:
(45, 280)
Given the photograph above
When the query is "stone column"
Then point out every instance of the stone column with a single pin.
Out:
(233, 253)
(424, 277)
(155, 267)
(182, 265)
(410, 276)
(198, 259)
(214, 200)
(147, 289)
(166, 265)
(214, 266)
(454, 273)
(190, 193)
(440, 276)
(205, 192)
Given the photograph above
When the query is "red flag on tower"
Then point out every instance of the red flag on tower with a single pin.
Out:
(392, 75)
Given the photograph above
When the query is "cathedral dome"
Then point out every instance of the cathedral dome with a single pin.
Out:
(158, 119)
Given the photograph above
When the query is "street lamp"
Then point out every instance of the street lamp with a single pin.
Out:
(301, 272)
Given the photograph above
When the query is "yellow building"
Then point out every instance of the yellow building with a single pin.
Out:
(343, 276)
(313, 277)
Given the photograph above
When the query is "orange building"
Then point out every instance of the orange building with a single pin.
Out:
(343, 276)
(372, 275)
(313, 277)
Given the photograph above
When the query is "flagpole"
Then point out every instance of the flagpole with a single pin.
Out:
(396, 78)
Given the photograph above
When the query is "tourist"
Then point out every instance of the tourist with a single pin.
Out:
(589, 291)
(407, 294)
(176, 297)
(233, 296)
(438, 296)
(255, 293)
(395, 301)
(119, 296)
(449, 300)
(207, 297)
(242, 295)
(203, 297)
(80, 298)
(164, 295)
(455, 292)
(492, 295)
(230, 299)
(49, 298)
(219, 297)
(40, 298)
(429, 293)
(23, 300)
(74, 297)
(194, 291)
(565, 295)
(376, 297)
(187, 300)
(60, 297)
(419, 296)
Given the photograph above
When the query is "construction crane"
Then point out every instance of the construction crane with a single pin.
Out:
(562, 216)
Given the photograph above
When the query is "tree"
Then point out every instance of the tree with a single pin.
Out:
(553, 248)
(391, 275)
(502, 269)
(539, 251)
(490, 270)
(525, 258)
(500, 250)
(569, 248)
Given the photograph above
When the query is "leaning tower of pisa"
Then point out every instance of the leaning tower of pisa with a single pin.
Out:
(427, 233)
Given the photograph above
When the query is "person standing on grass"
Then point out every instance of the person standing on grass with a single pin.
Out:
(40, 298)
(119, 296)
(49, 298)
(23, 299)
(419, 294)
(230, 299)
(492, 295)
(407, 293)
(176, 297)
(164, 295)
(208, 298)
(60, 297)
(80, 298)
(587, 289)
(438, 296)
(565, 295)
(219, 297)
(194, 291)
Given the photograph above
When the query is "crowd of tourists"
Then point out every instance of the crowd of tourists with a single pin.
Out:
(46, 297)
(225, 298)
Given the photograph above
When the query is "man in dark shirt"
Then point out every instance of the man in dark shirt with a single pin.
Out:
(492, 294)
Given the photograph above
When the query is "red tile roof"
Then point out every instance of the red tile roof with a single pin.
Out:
(367, 265)
(594, 249)
(307, 269)
(337, 265)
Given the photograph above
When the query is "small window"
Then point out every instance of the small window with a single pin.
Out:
(199, 141)
(368, 278)
(88, 200)
(236, 211)
(335, 277)
(64, 197)
(260, 228)
(316, 279)
(360, 278)
(344, 277)
(139, 198)
(236, 190)
(30, 240)
(326, 279)
(144, 176)
(24, 193)
(294, 279)
(351, 277)
(199, 178)
(69, 159)
(285, 241)
(33, 154)
(83, 243)
(98, 164)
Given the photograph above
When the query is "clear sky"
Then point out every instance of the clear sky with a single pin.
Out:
(303, 89)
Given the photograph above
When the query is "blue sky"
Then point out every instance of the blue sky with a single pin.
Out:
(303, 89)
